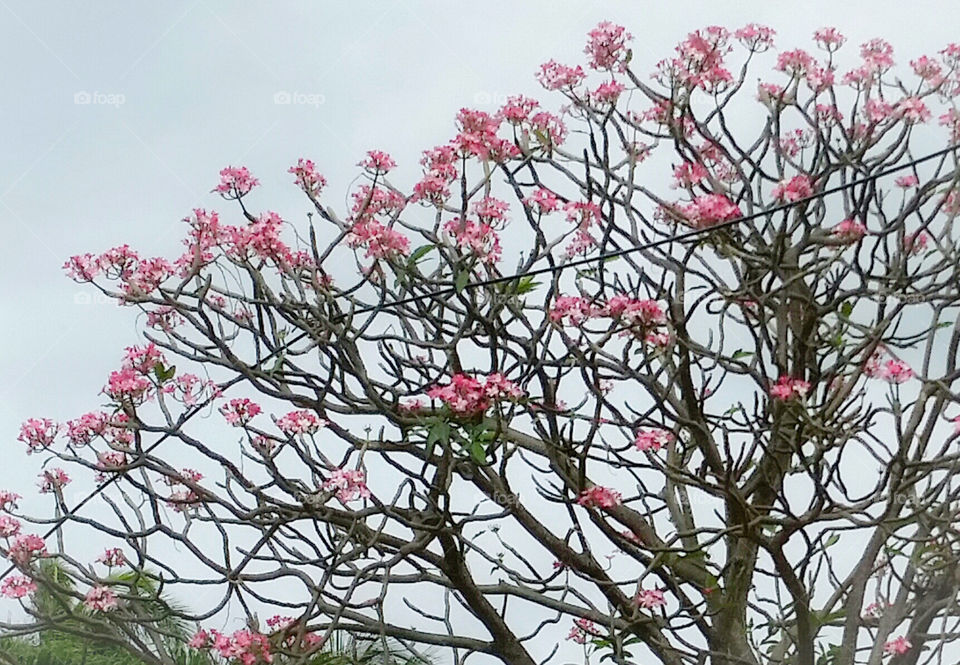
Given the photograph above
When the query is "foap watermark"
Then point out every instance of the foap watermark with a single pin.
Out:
(294, 98)
(96, 298)
(96, 98)
(485, 98)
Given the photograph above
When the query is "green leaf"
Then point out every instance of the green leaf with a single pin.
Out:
(846, 309)
(164, 374)
(419, 253)
(526, 285)
(462, 278)
(832, 540)
(478, 452)
(439, 432)
(740, 353)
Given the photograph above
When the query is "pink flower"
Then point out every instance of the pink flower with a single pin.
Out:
(100, 599)
(477, 238)
(607, 47)
(895, 371)
(235, 182)
(17, 586)
(111, 460)
(906, 181)
(583, 629)
(607, 93)
(83, 267)
(307, 177)
(38, 433)
(956, 424)
(26, 547)
(913, 110)
(849, 231)
(877, 110)
(644, 313)
(572, 310)
(239, 411)
(755, 37)
(9, 526)
(127, 384)
(554, 76)
(915, 243)
(8, 500)
(112, 557)
(689, 174)
(200, 640)
(517, 109)
(599, 496)
(378, 162)
(829, 39)
(301, 422)
(650, 598)
(652, 439)
(379, 240)
(545, 124)
(53, 480)
(928, 69)
(349, 485)
(710, 209)
(788, 388)
(877, 54)
(84, 429)
(798, 187)
(467, 396)
(899, 645)
(794, 62)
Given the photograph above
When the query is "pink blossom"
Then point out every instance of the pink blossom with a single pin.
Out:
(17, 586)
(582, 629)
(956, 424)
(644, 312)
(490, 210)
(164, 318)
(112, 557)
(599, 496)
(652, 439)
(829, 39)
(38, 433)
(877, 110)
(607, 93)
(52, 480)
(200, 640)
(190, 389)
(239, 411)
(554, 76)
(26, 547)
(83, 267)
(710, 209)
(300, 422)
(572, 310)
(794, 189)
(583, 213)
(913, 110)
(928, 69)
(379, 240)
(849, 231)
(547, 125)
(689, 174)
(467, 396)
(828, 114)
(235, 182)
(127, 385)
(518, 109)
(771, 93)
(650, 598)
(9, 526)
(581, 243)
(877, 54)
(951, 120)
(143, 359)
(307, 177)
(8, 500)
(755, 37)
(100, 599)
(795, 62)
(895, 371)
(914, 243)
(477, 238)
(899, 645)
(607, 47)
(377, 162)
(118, 262)
(349, 485)
(788, 388)
(111, 460)
(906, 181)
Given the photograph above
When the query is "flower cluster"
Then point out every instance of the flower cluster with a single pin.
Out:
(38, 433)
(112, 557)
(477, 238)
(100, 599)
(652, 439)
(301, 422)
(235, 182)
(849, 231)
(348, 485)
(607, 47)
(582, 630)
(24, 548)
(239, 411)
(787, 388)
(378, 162)
(649, 599)
(890, 370)
(52, 480)
(708, 210)
(17, 586)
(307, 177)
(794, 189)
(468, 396)
(597, 495)
(245, 646)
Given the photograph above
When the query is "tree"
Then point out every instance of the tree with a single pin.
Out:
(733, 444)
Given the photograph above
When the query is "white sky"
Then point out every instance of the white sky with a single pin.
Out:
(198, 82)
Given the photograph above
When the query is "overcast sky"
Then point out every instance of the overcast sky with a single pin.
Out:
(117, 116)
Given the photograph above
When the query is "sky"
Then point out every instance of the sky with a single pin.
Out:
(116, 118)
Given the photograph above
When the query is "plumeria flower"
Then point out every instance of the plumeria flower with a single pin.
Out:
(652, 439)
(597, 495)
(239, 411)
(899, 645)
(650, 599)
(235, 182)
(100, 599)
